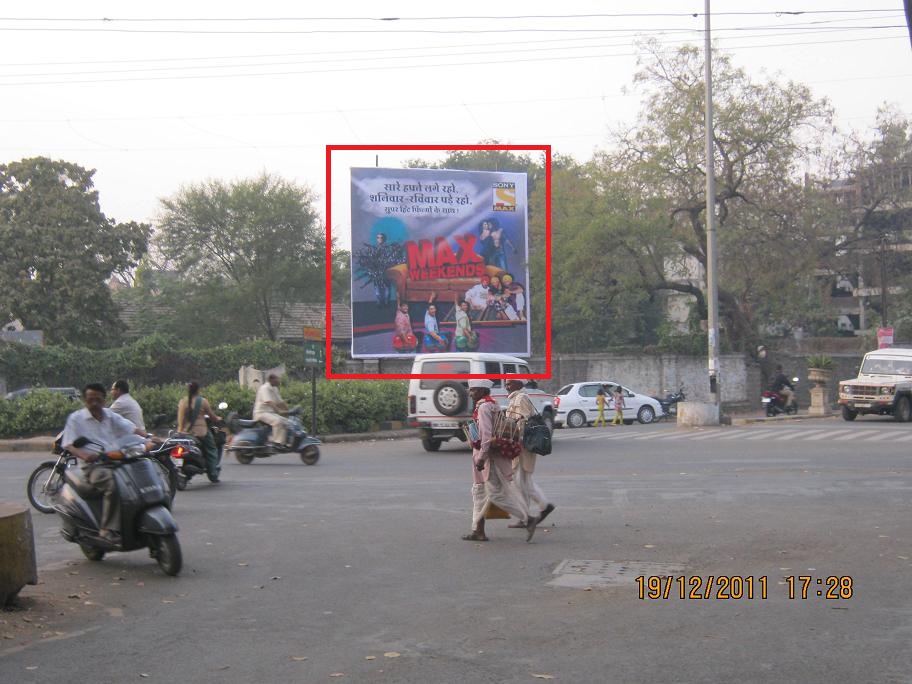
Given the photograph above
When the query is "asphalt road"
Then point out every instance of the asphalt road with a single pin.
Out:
(353, 570)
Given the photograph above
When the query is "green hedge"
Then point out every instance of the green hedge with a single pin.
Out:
(153, 360)
(342, 406)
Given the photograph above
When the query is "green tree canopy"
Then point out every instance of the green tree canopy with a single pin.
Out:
(59, 250)
(767, 230)
(242, 252)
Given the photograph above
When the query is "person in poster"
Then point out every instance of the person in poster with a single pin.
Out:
(443, 232)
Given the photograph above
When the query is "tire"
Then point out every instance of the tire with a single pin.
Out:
(167, 553)
(902, 411)
(576, 419)
(646, 415)
(92, 553)
(243, 457)
(548, 417)
(43, 485)
(431, 444)
(310, 455)
(770, 412)
(181, 482)
(848, 414)
(450, 398)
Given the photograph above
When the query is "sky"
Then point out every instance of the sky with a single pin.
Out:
(159, 96)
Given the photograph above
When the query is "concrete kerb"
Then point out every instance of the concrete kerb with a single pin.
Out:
(46, 443)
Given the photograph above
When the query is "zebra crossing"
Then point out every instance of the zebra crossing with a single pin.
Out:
(742, 433)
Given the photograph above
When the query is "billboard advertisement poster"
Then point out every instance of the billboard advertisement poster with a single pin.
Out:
(439, 262)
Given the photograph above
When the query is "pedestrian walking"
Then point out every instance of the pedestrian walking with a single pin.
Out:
(520, 408)
(601, 398)
(618, 397)
(492, 473)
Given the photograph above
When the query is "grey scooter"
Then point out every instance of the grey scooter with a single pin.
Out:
(145, 515)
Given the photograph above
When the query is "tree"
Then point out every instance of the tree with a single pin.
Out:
(873, 189)
(244, 250)
(767, 235)
(59, 250)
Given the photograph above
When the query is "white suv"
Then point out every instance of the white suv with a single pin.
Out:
(440, 407)
(883, 386)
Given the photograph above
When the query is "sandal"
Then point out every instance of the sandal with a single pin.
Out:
(472, 536)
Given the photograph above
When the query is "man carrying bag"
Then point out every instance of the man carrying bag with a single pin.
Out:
(520, 408)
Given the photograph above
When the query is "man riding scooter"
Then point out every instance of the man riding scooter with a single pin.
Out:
(103, 427)
(268, 408)
(782, 385)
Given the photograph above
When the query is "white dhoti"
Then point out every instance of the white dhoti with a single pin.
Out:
(278, 424)
(497, 490)
(533, 497)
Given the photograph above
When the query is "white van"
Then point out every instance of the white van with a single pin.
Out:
(440, 407)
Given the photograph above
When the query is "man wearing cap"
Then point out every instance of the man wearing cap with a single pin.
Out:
(520, 408)
(492, 473)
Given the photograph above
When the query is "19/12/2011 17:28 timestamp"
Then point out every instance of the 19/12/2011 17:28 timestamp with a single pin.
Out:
(737, 587)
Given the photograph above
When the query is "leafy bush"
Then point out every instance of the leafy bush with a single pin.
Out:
(820, 361)
(154, 360)
(342, 406)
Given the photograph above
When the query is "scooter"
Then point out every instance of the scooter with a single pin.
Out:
(145, 515)
(774, 403)
(251, 440)
(187, 456)
(670, 403)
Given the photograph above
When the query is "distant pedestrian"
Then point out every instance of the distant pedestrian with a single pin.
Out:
(618, 396)
(601, 398)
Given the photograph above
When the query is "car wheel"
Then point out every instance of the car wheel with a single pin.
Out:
(450, 398)
(902, 412)
(576, 419)
(646, 415)
(849, 414)
(548, 417)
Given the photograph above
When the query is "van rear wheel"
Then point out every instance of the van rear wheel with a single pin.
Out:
(431, 444)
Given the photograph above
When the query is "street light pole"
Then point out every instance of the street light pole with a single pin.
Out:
(712, 287)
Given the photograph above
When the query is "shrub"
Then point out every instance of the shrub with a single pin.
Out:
(342, 406)
(820, 361)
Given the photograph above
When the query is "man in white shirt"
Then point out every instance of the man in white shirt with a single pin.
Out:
(268, 407)
(106, 431)
(125, 405)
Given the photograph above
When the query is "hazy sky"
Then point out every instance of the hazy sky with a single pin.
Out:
(159, 95)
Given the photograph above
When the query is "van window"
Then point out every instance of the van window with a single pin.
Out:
(451, 368)
(524, 371)
(509, 369)
(492, 369)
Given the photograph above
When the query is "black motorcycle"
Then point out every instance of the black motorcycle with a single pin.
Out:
(145, 515)
(251, 440)
(670, 402)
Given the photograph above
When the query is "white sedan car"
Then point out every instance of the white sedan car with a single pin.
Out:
(576, 407)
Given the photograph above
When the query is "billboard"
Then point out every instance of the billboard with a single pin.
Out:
(439, 262)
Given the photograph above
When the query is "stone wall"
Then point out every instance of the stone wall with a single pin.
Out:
(742, 378)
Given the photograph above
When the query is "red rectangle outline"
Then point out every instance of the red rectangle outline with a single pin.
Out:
(434, 376)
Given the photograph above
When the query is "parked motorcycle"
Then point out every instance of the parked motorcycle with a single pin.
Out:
(774, 403)
(145, 515)
(670, 402)
(251, 440)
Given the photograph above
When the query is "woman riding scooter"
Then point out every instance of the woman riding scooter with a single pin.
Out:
(192, 412)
